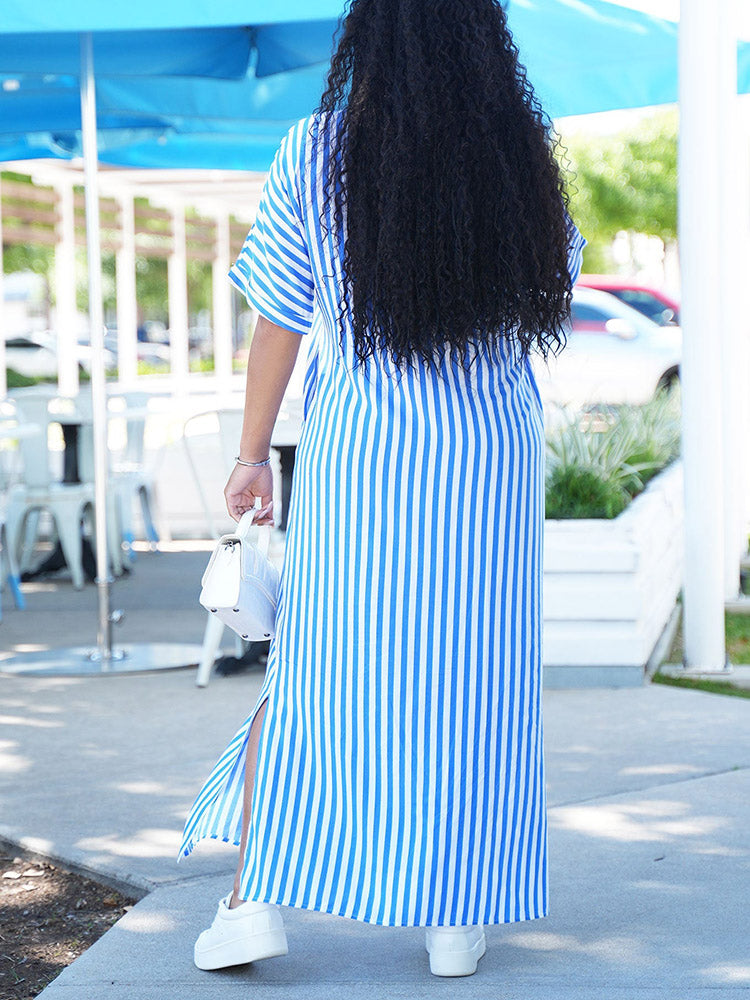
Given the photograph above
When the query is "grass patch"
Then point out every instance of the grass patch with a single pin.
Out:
(702, 684)
(18, 381)
(737, 632)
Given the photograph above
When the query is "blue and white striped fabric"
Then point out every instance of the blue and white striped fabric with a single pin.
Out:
(400, 776)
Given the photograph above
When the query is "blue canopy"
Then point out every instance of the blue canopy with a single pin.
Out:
(20, 16)
(167, 37)
(581, 57)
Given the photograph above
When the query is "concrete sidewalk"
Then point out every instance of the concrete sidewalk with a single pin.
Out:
(649, 809)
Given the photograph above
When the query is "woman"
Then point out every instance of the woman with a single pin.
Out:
(414, 231)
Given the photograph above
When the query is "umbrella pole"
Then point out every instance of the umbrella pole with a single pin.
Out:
(96, 324)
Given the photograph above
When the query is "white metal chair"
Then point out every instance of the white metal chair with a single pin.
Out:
(67, 503)
(78, 410)
(132, 478)
(9, 435)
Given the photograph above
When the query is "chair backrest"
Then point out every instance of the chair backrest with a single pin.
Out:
(33, 408)
(204, 425)
(135, 427)
(230, 430)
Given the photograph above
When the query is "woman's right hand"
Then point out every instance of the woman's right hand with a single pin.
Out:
(244, 486)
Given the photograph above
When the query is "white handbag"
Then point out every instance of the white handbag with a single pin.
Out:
(240, 585)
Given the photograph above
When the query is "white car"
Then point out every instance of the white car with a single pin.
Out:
(30, 355)
(35, 355)
(613, 355)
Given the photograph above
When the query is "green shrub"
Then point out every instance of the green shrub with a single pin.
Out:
(597, 461)
(18, 381)
(583, 492)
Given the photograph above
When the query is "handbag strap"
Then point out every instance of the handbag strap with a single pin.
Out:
(246, 522)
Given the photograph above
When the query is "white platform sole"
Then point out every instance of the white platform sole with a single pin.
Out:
(241, 950)
(457, 963)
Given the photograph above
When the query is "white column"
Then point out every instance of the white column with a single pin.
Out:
(700, 179)
(222, 305)
(732, 318)
(3, 369)
(66, 313)
(178, 300)
(127, 304)
(743, 302)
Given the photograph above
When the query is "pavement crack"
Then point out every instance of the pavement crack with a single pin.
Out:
(648, 788)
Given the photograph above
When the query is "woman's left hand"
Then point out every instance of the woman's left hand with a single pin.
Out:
(244, 486)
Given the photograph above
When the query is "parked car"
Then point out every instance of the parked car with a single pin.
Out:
(35, 355)
(650, 301)
(613, 355)
(155, 354)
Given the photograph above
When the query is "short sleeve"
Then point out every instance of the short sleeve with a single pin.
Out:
(273, 268)
(576, 243)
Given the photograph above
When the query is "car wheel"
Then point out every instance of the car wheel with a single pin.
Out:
(669, 383)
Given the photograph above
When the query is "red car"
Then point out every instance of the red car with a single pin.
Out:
(652, 302)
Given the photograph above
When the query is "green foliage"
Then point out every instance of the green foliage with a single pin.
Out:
(23, 257)
(18, 381)
(626, 181)
(148, 368)
(583, 492)
(598, 461)
(654, 430)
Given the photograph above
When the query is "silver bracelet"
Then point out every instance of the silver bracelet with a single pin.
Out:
(266, 461)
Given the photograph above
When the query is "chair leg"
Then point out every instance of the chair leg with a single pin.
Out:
(29, 537)
(14, 524)
(211, 642)
(114, 537)
(124, 502)
(69, 533)
(148, 506)
(13, 576)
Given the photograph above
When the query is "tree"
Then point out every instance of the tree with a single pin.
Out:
(627, 181)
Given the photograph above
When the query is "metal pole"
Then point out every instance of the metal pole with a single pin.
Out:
(700, 180)
(96, 322)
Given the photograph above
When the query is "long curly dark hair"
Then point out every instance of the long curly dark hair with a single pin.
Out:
(455, 205)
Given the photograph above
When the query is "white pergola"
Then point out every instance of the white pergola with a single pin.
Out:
(215, 194)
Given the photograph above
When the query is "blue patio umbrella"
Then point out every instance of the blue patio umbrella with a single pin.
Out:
(588, 57)
(186, 38)
(169, 37)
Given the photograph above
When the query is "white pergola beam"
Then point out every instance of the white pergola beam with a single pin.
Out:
(127, 301)
(177, 290)
(66, 312)
(222, 304)
(235, 191)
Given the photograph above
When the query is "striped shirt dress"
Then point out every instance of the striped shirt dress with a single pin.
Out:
(400, 776)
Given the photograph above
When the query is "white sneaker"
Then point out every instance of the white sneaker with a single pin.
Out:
(244, 934)
(455, 951)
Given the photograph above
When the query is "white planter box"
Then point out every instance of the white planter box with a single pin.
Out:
(610, 587)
